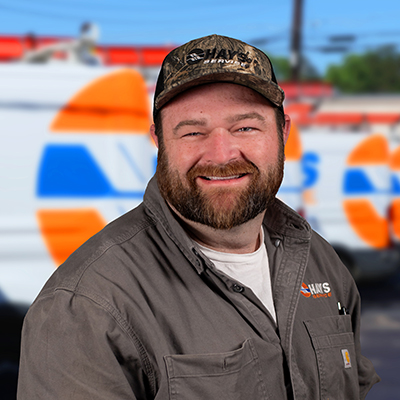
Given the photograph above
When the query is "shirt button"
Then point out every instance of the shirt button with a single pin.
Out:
(195, 252)
(277, 242)
(237, 288)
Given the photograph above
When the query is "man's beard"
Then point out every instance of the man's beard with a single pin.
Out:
(219, 208)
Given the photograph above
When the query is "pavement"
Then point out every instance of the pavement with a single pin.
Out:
(380, 335)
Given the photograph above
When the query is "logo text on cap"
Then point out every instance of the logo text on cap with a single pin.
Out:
(223, 56)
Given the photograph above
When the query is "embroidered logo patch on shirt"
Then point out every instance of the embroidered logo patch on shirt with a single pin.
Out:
(346, 358)
(316, 290)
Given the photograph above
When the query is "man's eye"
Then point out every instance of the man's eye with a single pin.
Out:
(191, 134)
(246, 129)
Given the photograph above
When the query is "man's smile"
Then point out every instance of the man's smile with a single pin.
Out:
(222, 178)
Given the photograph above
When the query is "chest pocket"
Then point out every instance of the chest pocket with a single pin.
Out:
(234, 375)
(333, 342)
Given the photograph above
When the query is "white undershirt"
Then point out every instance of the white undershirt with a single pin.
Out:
(251, 269)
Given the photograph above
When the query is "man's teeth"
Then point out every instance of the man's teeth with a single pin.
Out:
(221, 178)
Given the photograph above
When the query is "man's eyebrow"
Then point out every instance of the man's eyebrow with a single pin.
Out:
(189, 122)
(240, 117)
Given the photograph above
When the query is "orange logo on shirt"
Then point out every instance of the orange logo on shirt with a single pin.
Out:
(316, 290)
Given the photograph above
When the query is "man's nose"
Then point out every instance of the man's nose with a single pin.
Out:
(221, 147)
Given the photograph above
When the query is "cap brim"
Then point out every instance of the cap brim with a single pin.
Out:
(270, 90)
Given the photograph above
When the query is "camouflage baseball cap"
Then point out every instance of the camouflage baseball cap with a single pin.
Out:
(216, 58)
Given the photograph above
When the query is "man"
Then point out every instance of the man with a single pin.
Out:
(202, 292)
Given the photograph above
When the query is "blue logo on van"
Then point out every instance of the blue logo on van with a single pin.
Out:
(395, 183)
(69, 170)
(309, 165)
(357, 182)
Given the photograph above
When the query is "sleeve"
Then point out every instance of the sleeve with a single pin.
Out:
(367, 376)
(73, 348)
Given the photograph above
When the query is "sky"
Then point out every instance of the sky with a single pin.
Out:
(264, 23)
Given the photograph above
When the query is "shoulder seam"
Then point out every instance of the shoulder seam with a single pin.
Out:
(115, 241)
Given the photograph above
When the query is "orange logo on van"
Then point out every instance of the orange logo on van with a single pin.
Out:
(395, 206)
(116, 103)
(65, 230)
(293, 148)
(360, 210)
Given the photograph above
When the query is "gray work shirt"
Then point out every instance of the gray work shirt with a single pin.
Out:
(138, 313)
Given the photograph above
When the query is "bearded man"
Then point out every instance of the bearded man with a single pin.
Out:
(202, 291)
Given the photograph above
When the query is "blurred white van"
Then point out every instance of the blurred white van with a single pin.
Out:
(347, 198)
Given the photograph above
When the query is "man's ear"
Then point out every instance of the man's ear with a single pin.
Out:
(153, 134)
(286, 128)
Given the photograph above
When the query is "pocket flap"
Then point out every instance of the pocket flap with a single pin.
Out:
(332, 324)
(331, 331)
(185, 365)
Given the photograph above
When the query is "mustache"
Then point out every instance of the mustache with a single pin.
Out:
(240, 167)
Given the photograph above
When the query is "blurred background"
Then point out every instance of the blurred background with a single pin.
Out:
(77, 79)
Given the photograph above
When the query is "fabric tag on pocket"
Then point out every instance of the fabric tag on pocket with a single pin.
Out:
(346, 358)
